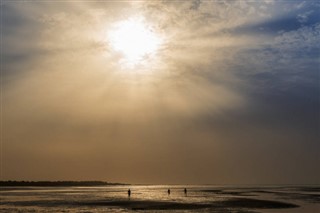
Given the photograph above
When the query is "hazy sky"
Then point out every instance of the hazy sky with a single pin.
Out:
(230, 95)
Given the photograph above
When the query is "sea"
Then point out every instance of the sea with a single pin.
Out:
(155, 198)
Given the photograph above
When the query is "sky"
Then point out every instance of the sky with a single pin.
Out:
(161, 92)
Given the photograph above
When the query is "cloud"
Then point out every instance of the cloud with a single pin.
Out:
(302, 18)
(234, 81)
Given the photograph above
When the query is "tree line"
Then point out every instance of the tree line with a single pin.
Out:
(57, 183)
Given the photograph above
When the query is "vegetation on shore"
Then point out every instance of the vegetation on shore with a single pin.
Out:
(57, 183)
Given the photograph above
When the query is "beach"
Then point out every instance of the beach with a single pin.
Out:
(155, 198)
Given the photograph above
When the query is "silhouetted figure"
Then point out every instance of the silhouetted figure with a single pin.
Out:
(168, 191)
(129, 193)
(185, 191)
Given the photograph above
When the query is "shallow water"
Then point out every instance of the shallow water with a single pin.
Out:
(267, 199)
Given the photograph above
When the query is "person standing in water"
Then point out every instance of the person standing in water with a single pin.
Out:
(185, 191)
(168, 191)
(129, 193)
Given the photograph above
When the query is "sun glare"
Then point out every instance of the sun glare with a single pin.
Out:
(135, 40)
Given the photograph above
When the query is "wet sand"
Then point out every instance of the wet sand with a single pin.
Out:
(232, 203)
(133, 204)
(155, 198)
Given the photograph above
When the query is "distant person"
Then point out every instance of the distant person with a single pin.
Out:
(129, 193)
(185, 191)
(168, 191)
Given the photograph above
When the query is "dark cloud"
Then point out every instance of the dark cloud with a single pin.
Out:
(284, 23)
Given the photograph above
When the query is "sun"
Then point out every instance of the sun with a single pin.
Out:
(135, 40)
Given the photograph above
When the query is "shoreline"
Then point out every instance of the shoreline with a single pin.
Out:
(57, 183)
